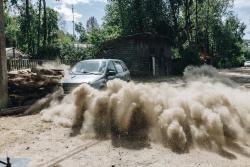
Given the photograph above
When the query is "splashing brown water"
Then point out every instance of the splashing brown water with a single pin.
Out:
(207, 112)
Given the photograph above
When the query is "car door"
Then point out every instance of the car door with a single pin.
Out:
(111, 67)
(126, 71)
(120, 71)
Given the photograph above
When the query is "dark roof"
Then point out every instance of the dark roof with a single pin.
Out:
(100, 60)
(145, 35)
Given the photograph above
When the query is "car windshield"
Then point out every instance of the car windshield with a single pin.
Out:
(89, 67)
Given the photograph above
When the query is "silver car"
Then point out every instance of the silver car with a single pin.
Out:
(95, 72)
(247, 64)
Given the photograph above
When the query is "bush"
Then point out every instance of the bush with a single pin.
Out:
(72, 54)
(182, 59)
(190, 57)
(48, 53)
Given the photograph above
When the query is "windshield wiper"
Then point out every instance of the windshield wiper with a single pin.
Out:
(93, 73)
(85, 72)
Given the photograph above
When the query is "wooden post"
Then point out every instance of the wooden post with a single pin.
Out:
(3, 63)
(14, 52)
(153, 65)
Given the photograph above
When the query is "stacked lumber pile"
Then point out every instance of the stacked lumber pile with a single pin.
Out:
(27, 86)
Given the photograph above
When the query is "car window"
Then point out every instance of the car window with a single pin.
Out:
(118, 67)
(111, 67)
(87, 67)
(124, 66)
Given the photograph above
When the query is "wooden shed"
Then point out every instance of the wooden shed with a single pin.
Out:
(144, 54)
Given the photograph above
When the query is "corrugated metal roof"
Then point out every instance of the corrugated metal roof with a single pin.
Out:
(18, 54)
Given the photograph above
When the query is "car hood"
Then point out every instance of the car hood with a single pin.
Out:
(78, 79)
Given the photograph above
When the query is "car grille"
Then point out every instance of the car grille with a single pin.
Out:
(68, 87)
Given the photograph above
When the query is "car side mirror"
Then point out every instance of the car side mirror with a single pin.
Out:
(111, 73)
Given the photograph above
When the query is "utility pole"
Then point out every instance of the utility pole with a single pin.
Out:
(73, 21)
(196, 23)
(3, 63)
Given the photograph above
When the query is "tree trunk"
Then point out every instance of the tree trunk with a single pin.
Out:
(207, 27)
(175, 13)
(3, 63)
(138, 8)
(44, 24)
(120, 6)
(187, 20)
(196, 22)
(39, 24)
(27, 15)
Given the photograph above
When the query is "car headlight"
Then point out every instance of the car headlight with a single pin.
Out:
(98, 83)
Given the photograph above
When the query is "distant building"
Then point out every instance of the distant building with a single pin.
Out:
(82, 45)
(13, 53)
(144, 54)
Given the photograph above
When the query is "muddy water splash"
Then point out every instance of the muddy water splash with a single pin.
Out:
(208, 112)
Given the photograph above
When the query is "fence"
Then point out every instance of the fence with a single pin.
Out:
(69, 62)
(19, 64)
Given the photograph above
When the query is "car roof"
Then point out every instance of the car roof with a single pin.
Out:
(101, 60)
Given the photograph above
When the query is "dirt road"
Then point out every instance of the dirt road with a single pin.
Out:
(239, 75)
(40, 144)
(31, 142)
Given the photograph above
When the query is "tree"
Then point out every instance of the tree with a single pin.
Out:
(52, 26)
(137, 16)
(27, 35)
(91, 24)
(112, 19)
(193, 27)
(81, 32)
(39, 22)
(27, 23)
(11, 30)
(3, 63)
(45, 26)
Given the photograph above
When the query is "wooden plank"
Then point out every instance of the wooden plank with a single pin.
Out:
(13, 111)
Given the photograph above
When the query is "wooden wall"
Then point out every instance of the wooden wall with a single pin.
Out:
(137, 54)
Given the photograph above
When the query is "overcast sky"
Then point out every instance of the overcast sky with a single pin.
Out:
(86, 8)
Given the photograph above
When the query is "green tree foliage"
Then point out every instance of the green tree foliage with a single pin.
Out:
(201, 31)
(71, 54)
(81, 32)
(96, 38)
(31, 31)
(136, 16)
(97, 35)
(92, 24)
(11, 30)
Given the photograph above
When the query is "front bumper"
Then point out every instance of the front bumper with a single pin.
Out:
(68, 87)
